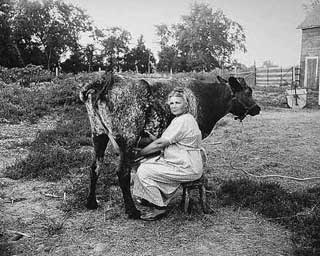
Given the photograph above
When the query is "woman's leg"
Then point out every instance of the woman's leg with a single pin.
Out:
(146, 185)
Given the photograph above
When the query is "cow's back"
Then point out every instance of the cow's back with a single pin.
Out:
(139, 105)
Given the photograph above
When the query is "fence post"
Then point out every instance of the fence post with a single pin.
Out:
(267, 76)
(280, 76)
(255, 73)
(293, 76)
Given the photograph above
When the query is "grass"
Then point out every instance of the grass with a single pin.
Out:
(55, 152)
(57, 155)
(271, 96)
(29, 104)
(298, 212)
(283, 142)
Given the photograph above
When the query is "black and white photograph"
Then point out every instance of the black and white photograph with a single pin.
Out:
(159, 128)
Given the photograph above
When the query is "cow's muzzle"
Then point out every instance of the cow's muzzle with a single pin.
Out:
(253, 110)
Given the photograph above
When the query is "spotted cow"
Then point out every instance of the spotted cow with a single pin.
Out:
(123, 109)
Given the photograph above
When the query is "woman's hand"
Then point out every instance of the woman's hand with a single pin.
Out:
(136, 152)
(151, 136)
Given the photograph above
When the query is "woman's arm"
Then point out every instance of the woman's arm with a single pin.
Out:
(154, 146)
(151, 136)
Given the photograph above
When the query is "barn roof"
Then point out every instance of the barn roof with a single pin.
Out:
(312, 19)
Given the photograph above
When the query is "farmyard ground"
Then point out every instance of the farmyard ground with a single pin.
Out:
(279, 141)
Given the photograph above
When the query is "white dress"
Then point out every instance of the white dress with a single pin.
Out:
(158, 178)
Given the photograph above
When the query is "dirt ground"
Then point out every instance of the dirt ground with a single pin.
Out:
(279, 141)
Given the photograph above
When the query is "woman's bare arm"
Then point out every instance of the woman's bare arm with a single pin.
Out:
(154, 146)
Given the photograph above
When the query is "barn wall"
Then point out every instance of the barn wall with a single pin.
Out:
(312, 98)
(310, 47)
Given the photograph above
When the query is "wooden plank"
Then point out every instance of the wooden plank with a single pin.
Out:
(275, 69)
(275, 72)
(271, 79)
(275, 75)
(268, 84)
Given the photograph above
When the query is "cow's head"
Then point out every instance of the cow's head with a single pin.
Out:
(242, 102)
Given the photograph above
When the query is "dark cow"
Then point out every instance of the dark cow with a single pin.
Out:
(123, 110)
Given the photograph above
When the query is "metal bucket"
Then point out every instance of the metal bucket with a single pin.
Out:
(296, 98)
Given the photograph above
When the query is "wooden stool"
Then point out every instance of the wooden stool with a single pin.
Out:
(196, 184)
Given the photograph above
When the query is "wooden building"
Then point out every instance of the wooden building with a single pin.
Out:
(310, 56)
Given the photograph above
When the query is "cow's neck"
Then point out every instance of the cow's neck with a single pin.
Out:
(215, 102)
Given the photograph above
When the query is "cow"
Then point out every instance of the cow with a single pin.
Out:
(123, 110)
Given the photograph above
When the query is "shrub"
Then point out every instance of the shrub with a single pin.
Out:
(25, 75)
(29, 104)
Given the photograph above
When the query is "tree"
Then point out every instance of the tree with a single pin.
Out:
(115, 46)
(75, 63)
(165, 34)
(312, 3)
(89, 55)
(168, 56)
(139, 58)
(238, 67)
(268, 64)
(7, 52)
(51, 27)
(205, 39)
(168, 59)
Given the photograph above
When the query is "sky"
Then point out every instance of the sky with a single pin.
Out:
(270, 25)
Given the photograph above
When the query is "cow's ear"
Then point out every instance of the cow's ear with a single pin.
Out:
(242, 81)
(235, 85)
(221, 80)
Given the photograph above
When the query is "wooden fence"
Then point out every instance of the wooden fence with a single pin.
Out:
(275, 76)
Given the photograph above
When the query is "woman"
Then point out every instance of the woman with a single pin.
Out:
(158, 178)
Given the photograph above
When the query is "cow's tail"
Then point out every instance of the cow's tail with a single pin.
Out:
(92, 94)
(109, 134)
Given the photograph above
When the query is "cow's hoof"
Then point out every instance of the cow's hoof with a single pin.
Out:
(134, 215)
(92, 205)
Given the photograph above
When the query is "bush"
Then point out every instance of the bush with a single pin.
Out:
(29, 104)
(26, 75)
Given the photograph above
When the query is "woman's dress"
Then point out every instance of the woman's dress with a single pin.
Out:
(158, 178)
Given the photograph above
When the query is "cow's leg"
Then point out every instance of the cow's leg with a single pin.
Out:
(100, 143)
(124, 176)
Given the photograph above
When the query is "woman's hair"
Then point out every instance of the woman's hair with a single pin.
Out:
(188, 97)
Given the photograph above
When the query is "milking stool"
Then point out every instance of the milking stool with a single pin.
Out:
(196, 184)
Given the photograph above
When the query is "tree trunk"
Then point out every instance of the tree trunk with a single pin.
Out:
(20, 59)
(49, 59)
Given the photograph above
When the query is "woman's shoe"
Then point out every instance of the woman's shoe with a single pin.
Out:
(156, 214)
(145, 202)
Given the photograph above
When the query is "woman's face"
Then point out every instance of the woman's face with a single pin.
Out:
(177, 105)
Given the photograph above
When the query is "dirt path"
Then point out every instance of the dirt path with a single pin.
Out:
(28, 208)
